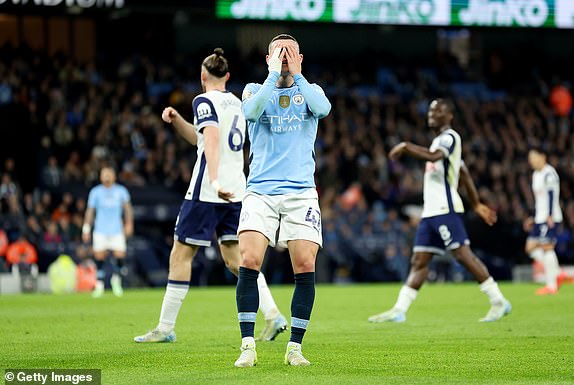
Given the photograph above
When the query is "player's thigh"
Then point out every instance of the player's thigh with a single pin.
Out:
(102, 243)
(252, 247)
(227, 222)
(531, 245)
(180, 260)
(118, 245)
(259, 213)
(427, 242)
(421, 260)
(100, 255)
(100, 246)
(542, 236)
(463, 254)
(300, 219)
(195, 223)
(230, 254)
(450, 228)
(303, 254)
(181, 253)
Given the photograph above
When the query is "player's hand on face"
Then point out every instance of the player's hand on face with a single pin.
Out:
(397, 151)
(225, 195)
(276, 59)
(169, 114)
(293, 59)
(528, 224)
(487, 214)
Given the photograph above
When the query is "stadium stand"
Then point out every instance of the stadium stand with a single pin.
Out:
(82, 115)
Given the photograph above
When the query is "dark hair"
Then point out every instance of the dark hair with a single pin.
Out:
(448, 103)
(538, 149)
(216, 64)
(282, 36)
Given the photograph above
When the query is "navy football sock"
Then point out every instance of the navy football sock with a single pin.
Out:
(301, 305)
(100, 270)
(247, 297)
(121, 267)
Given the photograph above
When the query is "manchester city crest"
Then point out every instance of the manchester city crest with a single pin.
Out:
(298, 99)
(284, 101)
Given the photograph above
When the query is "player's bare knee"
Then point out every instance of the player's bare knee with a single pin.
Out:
(418, 262)
(529, 247)
(250, 260)
(304, 265)
(179, 257)
(232, 265)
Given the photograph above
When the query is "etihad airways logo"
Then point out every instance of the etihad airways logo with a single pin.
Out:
(286, 119)
(280, 124)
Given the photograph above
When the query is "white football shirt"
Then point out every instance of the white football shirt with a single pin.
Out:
(546, 188)
(222, 110)
(440, 189)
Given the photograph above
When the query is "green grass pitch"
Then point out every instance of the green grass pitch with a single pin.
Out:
(441, 342)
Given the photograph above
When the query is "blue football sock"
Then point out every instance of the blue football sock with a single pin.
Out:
(247, 297)
(301, 305)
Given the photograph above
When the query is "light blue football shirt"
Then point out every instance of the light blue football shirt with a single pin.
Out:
(108, 203)
(282, 127)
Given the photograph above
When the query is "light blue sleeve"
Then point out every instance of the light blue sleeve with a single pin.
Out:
(92, 199)
(316, 100)
(254, 102)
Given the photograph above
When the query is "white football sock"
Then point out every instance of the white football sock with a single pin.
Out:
(247, 341)
(406, 297)
(537, 254)
(490, 288)
(266, 303)
(296, 345)
(551, 269)
(172, 300)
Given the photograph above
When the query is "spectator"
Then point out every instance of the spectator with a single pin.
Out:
(52, 176)
(21, 252)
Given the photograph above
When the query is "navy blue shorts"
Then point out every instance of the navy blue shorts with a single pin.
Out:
(197, 221)
(544, 234)
(435, 234)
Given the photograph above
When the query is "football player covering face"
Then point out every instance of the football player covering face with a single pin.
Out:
(284, 55)
(281, 206)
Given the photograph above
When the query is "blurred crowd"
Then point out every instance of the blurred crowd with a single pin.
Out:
(86, 114)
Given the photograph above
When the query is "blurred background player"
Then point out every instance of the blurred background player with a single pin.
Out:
(441, 226)
(110, 210)
(281, 205)
(547, 217)
(213, 200)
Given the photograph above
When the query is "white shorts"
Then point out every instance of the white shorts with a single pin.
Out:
(102, 242)
(283, 218)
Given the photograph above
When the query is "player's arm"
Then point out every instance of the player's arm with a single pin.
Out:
(128, 219)
(483, 211)
(254, 102)
(87, 226)
(316, 100)
(211, 151)
(208, 126)
(550, 181)
(416, 151)
(182, 126)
